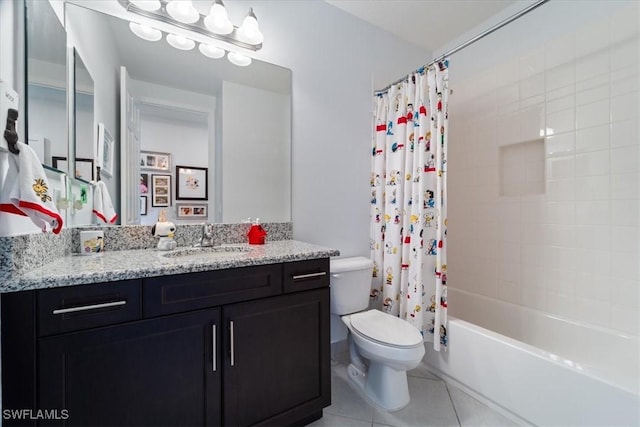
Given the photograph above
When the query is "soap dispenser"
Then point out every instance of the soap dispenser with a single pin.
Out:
(257, 234)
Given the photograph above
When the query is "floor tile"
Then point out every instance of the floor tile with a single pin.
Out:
(346, 399)
(421, 371)
(331, 420)
(473, 413)
(430, 406)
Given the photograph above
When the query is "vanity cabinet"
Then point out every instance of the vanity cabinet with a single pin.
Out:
(234, 347)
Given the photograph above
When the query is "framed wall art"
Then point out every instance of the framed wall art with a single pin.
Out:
(144, 183)
(152, 160)
(191, 183)
(191, 210)
(160, 191)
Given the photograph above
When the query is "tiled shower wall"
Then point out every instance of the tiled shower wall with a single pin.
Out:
(563, 237)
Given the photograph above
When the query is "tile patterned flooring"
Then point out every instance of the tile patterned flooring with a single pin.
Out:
(433, 403)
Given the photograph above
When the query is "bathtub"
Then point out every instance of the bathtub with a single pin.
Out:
(573, 374)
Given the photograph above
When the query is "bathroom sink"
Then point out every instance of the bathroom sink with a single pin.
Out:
(206, 252)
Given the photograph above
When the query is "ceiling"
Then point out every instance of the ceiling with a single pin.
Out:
(430, 24)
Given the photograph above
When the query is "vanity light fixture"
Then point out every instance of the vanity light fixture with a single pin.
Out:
(145, 32)
(238, 59)
(211, 51)
(180, 42)
(182, 15)
(149, 5)
(217, 20)
(183, 11)
(250, 31)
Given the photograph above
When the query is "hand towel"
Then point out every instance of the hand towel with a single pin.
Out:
(26, 190)
(102, 205)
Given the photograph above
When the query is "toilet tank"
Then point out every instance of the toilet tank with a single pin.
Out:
(350, 284)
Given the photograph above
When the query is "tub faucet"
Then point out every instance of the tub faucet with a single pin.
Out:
(207, 235)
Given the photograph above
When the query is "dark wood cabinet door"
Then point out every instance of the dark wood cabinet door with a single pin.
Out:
(158, 372)
(277, 359)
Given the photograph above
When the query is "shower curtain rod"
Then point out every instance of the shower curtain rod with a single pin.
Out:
(470, 41)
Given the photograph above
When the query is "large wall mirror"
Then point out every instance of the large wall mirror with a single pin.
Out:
(46, 120)
(178, 116)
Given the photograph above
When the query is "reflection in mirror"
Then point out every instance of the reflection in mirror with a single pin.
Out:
(84, 138)
(46, 117)
(201, 112)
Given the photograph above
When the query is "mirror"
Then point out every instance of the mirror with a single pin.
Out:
(183, 122)
(84, 136)
(46, 119)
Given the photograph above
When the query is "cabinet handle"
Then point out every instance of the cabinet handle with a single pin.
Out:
(233, 356)
(88, 307)
(213, 347)
(309, 275)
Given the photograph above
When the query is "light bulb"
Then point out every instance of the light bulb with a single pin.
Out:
(250, 30)
(183, 11)
(238, 59)
(145, 32)
(211, 51)
(180, 42)
(148, 5)
(218, 20)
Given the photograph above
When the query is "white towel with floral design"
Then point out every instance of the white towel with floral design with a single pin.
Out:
(27, 192)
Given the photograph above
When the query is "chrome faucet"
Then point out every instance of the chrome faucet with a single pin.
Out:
(207, 235)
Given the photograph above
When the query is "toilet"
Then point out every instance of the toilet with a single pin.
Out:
(382, 347)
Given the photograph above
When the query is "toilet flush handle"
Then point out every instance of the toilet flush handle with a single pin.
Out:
(336, 275)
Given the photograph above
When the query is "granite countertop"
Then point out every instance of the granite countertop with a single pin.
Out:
(133, 264)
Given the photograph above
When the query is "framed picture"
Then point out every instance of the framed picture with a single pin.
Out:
(191, 210)
(191, 183)
(84, 167)
(105, 150)
(160, 190)
(144, 183)
(151, 160)
(143, 205)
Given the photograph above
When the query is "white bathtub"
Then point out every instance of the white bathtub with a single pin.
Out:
(584, 375)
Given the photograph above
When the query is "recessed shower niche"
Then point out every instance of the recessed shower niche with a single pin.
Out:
(522, 168)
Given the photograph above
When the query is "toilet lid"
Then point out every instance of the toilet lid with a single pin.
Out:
(386, 328)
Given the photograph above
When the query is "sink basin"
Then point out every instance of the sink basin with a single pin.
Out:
(206, 252)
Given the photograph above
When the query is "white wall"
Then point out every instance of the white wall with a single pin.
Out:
(567, 71)
(265, 134)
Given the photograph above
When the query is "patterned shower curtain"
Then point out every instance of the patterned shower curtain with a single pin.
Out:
(408, 202)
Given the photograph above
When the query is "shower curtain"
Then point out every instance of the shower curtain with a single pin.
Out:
(408, 202)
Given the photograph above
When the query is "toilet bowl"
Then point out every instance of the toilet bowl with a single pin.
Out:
(390, 347)
(382, 347)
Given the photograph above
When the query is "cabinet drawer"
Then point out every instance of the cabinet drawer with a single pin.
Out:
(75, 308)
(193, 291)
(305, 275)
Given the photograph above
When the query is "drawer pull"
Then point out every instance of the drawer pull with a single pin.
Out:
(309, 276)
(233, 353)
(213, 360)
(88, 307)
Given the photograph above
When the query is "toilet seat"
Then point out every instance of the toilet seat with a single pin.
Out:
(385, 329)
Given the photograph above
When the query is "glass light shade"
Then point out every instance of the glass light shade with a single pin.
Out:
(217, 20)
(145, 32)
(250, 31)
(148, 5)
(211, 51)
(238, 59)
(180, 42)
(183, 11)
